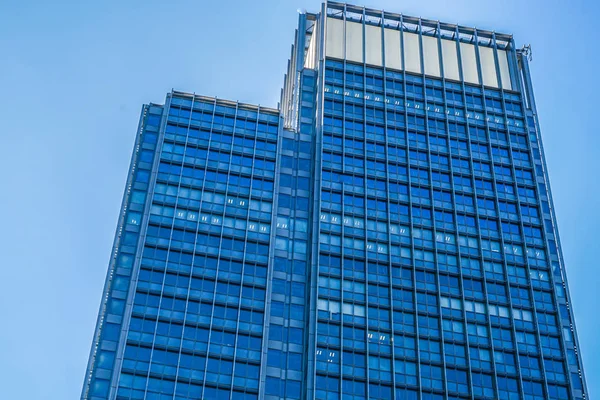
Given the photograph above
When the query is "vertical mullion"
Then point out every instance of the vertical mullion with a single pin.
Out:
(365, 197)
(387, 202)
(410, 207)
(310, 373)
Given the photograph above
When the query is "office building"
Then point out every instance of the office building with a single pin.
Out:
(386, 232)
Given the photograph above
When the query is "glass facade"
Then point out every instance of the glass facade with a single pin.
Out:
(387, 233)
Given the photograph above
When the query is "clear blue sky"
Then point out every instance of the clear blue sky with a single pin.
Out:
(73, 76)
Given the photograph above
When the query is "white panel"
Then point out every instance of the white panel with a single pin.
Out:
(373, 45)
(334, 41)
(431, 56)
(393, 55)
(488, 66)
(504, 70)
(310, 58)
(354, 41)
(469, 63)
(450, 59)
(412, 54)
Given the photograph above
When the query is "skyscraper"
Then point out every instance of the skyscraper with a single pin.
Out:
(386, 233)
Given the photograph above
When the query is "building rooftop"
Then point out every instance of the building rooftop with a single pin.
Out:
(394, 20)
(224, 102)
